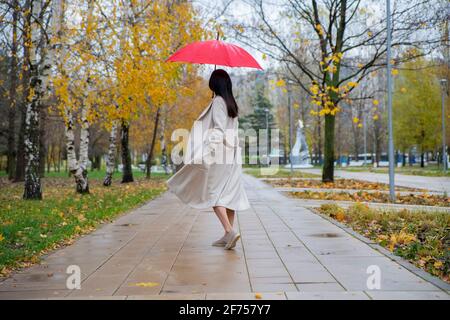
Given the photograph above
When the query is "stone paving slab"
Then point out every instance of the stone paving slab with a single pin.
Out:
(163, 251)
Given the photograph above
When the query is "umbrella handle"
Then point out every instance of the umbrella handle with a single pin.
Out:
(217, 38)
(215, 66)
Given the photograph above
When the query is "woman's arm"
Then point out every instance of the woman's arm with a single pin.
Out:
(220, 134)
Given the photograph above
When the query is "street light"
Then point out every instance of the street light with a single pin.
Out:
(291, 113)
(389, 103)
(365, 138)
(444, 83)
(266, 110)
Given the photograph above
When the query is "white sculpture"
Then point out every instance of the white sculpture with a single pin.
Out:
(300, 157)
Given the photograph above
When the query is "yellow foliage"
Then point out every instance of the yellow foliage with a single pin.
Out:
(400, 238)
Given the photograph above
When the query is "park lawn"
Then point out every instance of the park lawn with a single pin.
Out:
(337, 184)
(280, 173)
(423, 238)
(375, 197)
(31, 228)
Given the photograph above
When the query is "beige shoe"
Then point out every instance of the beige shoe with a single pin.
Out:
(232, 237)
(220, 243)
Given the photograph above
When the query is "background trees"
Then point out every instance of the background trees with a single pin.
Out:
(88, 68)
(100, 78)
(329, 47)
(417, 107)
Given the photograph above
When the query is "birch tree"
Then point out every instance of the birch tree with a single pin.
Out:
(33, 188)
(75, 87)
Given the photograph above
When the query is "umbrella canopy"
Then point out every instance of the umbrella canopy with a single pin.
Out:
(215, 52)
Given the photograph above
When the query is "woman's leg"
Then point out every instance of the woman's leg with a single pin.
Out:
(230, 214)
(221, 213)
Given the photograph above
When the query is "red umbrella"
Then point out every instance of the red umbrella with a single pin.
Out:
(215, 52)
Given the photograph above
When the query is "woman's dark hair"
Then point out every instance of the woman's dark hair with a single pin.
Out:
(220, 84)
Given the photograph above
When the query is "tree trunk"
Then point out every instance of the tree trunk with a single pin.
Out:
(162, 142)
(328, 165)
(74, 167)
(422, 160)
(11, 156)
(26, 35)
(42, 146)
(84, 148)
(152, 146)
(319, 140)
(110, 160)
(32, 187)
(127, 172)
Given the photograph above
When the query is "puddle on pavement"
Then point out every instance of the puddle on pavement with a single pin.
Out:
(326, 235)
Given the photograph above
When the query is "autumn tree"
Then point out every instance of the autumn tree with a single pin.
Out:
(417, 106)
(144, 83)
(76, 78)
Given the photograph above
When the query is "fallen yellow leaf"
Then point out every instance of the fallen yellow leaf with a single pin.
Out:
(146, 284)
(258, 295)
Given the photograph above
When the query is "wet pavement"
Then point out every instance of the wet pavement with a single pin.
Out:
(163, 250)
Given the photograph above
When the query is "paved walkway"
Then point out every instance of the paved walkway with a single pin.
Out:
(162, 251)
(439, 184)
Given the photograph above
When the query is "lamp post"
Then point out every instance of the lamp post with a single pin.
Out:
(291, 126)
(389, 103)
(266, 110)
(365, 138)
(444, 83)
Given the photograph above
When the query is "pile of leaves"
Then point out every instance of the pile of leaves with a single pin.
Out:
(376, 197)
(29, 229)
(423, 238)
(337, 184)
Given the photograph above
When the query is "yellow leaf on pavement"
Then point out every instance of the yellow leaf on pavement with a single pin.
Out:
(146, 284)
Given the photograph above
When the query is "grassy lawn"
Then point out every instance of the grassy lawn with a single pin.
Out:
(376, 197)
(31, 228)
(337, 184)
(423, 238)
(428, 171)
(281, 173)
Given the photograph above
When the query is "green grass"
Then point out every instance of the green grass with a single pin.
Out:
(100, 174)
(31, 228)
(423, 238)
(281, 173)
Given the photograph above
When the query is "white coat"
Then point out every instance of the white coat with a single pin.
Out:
(212, 171)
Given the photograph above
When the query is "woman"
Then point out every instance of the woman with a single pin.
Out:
(212, 171)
